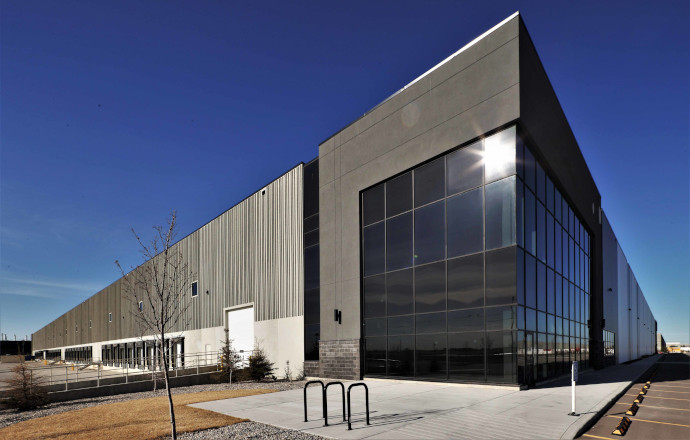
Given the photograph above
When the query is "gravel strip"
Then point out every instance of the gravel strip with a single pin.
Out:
(247, 431)
(10, 416)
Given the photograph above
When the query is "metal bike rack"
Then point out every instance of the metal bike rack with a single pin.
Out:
(349, 412)
(325, 402)
(323, 398)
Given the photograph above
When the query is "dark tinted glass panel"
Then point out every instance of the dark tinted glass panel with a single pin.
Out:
(550, 292)
(558, 240)
(530, 223)
(571, 259)
(530, 170)
(541, 286)
(549, 195)
(559, 295)
(530, 319)
(312, 310)
(520, 276)
(501, 357)
(431, 322)
(311, 238)
(530, 281)
(311, 267)
(501, 318)
(399, 194)
(429, 182)
(431, 355)
(374, 249)
(465, 223)
(557, 205)
(466, 320)
(399, 292)
(499, 155)
(373, 205)
(466, 356)
(520, 214)
(571, 222)
(375, 327)
(466, 282)
(401, 355)
(551, 324)
(430, 287)
(311, 189)
(374, 296)
(564, 213)
(375, 355)
(501, 266)
(311, 223)
(566, 299)
(401, 325)
(429, 233)
(399, 242)
(521, 318)
(564, 241)
(465, 168)
(500, 213)
(550, 255)
(541, 321)
(541, 184)
(541, 232)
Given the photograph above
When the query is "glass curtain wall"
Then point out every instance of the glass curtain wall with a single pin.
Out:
(474, 268)
(439, 267)
(553, 276)
(312, 309)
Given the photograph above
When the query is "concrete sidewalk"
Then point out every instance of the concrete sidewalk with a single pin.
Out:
(413, 410)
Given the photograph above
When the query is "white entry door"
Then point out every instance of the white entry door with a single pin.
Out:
(241, 330)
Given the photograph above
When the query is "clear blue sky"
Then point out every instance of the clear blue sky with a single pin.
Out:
(114, 113)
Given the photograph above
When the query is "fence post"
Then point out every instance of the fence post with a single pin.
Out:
(98, 375)
(197, 363)
(127, 373)
(66, 377)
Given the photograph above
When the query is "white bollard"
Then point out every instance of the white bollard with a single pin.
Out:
(573, 379)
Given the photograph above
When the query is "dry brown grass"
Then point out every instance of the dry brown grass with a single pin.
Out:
(134, 419)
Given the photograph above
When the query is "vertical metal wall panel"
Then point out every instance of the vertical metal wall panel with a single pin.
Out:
(252, 253)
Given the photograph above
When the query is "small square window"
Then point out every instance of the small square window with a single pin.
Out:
(141, 306)
(110, 317)
(89, 323)
(195, 288)
(76, 328)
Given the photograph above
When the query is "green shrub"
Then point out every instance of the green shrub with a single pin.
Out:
(259, 365)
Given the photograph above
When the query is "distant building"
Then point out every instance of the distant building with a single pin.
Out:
(15, 347)
(452, 233)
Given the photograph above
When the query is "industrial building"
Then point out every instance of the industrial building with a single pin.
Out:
(452, 233)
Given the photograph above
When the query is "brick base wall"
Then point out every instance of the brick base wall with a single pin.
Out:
(311, 369)
(340, 359)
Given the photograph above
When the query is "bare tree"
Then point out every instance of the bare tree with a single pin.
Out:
(230, 358)
(25, 390)
(158, 288)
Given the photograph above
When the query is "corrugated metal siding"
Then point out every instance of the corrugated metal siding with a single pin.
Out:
(251, 253)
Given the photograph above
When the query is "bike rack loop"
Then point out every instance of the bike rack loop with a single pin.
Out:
(323, 397)
(325, 402)
(349, 412)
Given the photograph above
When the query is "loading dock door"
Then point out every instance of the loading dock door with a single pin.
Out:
(241, 330)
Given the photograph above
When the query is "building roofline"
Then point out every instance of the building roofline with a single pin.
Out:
(408, 85)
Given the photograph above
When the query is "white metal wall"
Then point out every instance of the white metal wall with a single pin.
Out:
(632, 320)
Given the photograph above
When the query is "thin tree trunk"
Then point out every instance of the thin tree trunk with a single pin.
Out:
(167, 388)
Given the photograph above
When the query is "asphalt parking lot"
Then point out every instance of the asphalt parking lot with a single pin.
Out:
(664, 411)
